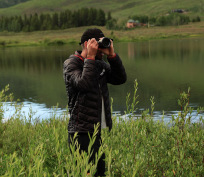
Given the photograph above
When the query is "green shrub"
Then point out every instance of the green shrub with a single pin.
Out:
(136, 146)
(174, 19)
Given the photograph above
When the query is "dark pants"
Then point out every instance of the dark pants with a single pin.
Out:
(83, 140)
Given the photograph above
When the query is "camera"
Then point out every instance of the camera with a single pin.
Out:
(104, 42)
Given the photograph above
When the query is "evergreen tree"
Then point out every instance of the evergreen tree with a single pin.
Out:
(41, 21)
(75, 20)
(26, 24)
(83, 20)
(198, 19)
(68, 21)
(34, 23)
(4, 24)
(62, 20)
(100, 18)
(47, 22)
(55, 21)
(92, 16)
(111, 24)
(19, 23)
(109, 17)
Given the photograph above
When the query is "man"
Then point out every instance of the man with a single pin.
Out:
(86, 76)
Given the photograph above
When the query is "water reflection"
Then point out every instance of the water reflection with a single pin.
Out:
(162, 68)
(31, 111)
(35, 112)
(175, 49)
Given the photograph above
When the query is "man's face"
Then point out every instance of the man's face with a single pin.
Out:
(99, 52)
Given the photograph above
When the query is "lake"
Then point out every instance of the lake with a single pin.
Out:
(163, 69)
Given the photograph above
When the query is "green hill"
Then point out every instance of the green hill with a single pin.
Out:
(8, 3)
(120, 9)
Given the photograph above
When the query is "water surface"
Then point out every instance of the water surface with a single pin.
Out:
(163, 69)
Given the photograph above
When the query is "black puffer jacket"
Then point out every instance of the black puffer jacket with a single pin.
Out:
(86, 82)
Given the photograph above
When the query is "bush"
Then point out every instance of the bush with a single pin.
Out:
(175, 19)
(136, 146)
(196, 19)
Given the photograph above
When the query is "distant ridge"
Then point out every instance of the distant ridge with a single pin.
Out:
(120, 9)
(9, 3)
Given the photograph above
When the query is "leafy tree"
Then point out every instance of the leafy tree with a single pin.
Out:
(111, 24)
(152, 20)
(161, 21)
(196, 19)
(173, 19)
(109, 17)
(140, 18)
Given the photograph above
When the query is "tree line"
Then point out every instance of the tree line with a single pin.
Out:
(55, 21)
(173, 19)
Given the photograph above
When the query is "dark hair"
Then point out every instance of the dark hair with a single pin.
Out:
(91, 33)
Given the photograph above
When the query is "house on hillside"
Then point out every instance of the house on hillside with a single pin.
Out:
(131, 23)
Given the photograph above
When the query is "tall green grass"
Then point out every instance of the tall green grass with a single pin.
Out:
(136, 146)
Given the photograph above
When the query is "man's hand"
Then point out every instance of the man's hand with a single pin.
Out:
(92, 48)
(108, 51)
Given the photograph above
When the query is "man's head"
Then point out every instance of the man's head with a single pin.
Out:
(91, 33)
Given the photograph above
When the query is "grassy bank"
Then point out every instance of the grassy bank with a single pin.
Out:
(72, 35)
(135, 146)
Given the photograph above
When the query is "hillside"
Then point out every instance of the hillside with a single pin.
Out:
(8, 3)
(72, 35)
(121, 9)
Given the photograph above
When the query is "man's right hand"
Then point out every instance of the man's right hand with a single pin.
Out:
(92, 48)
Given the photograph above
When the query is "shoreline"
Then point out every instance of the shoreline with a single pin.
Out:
(72, 35)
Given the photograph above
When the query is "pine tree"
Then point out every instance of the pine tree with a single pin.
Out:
(109, 17)
(55, 21)
(83, 13)
(75, 20)
(26, 24)
(68, 21)
(92, 16)
(100, 18)
(47, 22)
(62, 19)
(34, 23)
(41, 21)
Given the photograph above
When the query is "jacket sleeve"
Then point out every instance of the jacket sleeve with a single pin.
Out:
(116, 71)
(79, 75)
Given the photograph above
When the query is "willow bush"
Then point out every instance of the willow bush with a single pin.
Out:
(136, 146)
